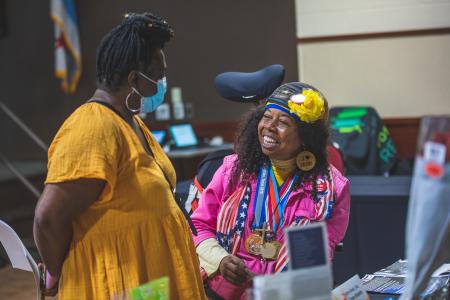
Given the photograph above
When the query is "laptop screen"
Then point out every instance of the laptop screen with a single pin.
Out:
(159, 135)
(183, 135)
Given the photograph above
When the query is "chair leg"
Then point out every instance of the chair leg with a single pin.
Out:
(39, 279)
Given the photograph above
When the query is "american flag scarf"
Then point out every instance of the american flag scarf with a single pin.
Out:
(232, 219)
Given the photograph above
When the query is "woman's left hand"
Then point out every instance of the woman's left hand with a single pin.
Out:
(233, 269)
(51, 282)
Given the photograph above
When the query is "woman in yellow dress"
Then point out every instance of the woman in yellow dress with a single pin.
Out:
(107, 220)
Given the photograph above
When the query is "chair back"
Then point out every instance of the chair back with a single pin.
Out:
(18, 255)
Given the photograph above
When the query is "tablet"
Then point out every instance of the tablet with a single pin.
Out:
(183, 135)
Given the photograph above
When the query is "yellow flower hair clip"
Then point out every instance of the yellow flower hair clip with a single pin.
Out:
(307, 106)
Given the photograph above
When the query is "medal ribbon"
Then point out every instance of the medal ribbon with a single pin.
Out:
(268, 205)
(261, 191)
(277, 204)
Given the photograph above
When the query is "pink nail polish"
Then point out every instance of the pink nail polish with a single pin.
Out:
(50, 281)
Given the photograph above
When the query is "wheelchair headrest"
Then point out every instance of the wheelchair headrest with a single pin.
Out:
(249, 87)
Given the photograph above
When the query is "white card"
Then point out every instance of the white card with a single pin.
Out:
(434, 152)
(351, 289)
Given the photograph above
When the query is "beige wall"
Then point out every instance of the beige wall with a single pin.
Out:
(333, 18)
(399, 76)
(390, 54)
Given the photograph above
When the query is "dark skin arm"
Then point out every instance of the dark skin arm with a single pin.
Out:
(58, 206)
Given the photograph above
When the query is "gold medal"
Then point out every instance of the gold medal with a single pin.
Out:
(253, 244)
(262, 242)
(270, 250)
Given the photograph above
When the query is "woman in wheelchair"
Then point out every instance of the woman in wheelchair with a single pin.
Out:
(279, 177)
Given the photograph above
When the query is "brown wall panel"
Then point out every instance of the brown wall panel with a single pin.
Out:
(404, 133)
(210, 37)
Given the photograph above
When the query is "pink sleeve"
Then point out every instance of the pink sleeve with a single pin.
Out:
(205, 216)
(337, 224)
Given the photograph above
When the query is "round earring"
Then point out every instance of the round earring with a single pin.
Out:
(133, 110)
(306, 161)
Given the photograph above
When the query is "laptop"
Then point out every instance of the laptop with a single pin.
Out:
(159, 136)
(183, 136)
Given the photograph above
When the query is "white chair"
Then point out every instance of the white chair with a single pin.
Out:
(19, 256)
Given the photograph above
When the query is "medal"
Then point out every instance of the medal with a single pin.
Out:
(262, 242)
(253, 244)
(270, 250)
(270, 247)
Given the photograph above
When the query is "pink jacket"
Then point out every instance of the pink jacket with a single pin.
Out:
(299, 204)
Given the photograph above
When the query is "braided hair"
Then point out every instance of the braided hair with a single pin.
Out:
(314, 137)
(130, 46)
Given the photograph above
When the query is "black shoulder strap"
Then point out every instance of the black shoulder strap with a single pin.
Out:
(108, 106)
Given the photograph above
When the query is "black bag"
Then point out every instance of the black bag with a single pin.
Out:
(365, 142)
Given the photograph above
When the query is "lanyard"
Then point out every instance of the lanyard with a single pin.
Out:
(261, 192)
(267, 190)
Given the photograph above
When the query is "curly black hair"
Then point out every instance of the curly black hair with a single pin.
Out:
(130, 46)
(314, 137)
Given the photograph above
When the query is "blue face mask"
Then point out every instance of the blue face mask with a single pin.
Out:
(151, 103)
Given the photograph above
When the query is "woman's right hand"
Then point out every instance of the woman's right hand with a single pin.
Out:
(233, 269)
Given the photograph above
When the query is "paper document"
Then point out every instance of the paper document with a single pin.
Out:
(392, 280)
(309, 274)
(396, 285)
(293, 285)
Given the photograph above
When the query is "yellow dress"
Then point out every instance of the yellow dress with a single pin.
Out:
(134, 232)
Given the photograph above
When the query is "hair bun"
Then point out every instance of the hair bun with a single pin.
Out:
(150, 21)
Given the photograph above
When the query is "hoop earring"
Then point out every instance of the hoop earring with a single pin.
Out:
(306, 160)
(133, 110)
